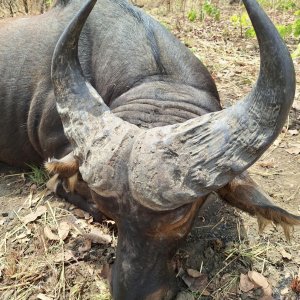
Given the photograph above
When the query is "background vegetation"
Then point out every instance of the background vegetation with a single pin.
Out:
(193, 10)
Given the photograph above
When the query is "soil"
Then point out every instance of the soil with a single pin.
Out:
(223, 244)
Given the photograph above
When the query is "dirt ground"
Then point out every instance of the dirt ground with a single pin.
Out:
(51, 250)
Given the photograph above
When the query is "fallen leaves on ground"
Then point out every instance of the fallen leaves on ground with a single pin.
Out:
(285, 291)
(195, 281)
(81, 214)
(49, 234)
(266, 164)
(62, 232)
(253, 280)
(86, 246)
(285, 254)
(246, 285)
(260, 281)
(98, 237)
(193, 273)
(296, 105)
(34, 215)
(297, 260)
(64, 256)
(294, 149)
(293, 132)
(106, 271)
(22, 237)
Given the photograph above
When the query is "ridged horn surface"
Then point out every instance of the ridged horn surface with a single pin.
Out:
(100, 140)
(172, 165)
(177, 164)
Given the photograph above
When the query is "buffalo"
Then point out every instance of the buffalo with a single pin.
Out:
(130, 124)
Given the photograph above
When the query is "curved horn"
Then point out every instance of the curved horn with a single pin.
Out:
(76, 100)
(172, 165)
(99, 139)
(177, 164)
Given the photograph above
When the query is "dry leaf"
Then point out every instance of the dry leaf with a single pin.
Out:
(193, 273)
(87, 216)
(267, 298)
(195, 284)
(293, 132)
(285, 254)
(63, 230)
(91, 270)
(67, 256)
(266, 164)
(106, 271)
(23, 241)
(276, 142)
(86, 246)
(34, 215)
(50, 235)
(294, 150)
(98, 237)
(43, 297)
(90, 220)
(297, 260)
(296, 105)
(33, 188)
(246, 284)
(205, 293)
(284, 291)
(22, 235)
(78, 213)
(261, 281)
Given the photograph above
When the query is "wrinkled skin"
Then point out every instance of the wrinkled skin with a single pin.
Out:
(151, 80)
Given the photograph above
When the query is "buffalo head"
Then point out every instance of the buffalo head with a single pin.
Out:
(152, 181)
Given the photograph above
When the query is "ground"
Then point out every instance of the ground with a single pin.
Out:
(51, 250)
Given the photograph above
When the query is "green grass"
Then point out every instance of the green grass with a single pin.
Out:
(37, 175)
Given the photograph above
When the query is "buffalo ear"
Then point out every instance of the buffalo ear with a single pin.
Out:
(245, 194)
(52, 183)
(65, 167)
(69, 183)
(72, 182)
